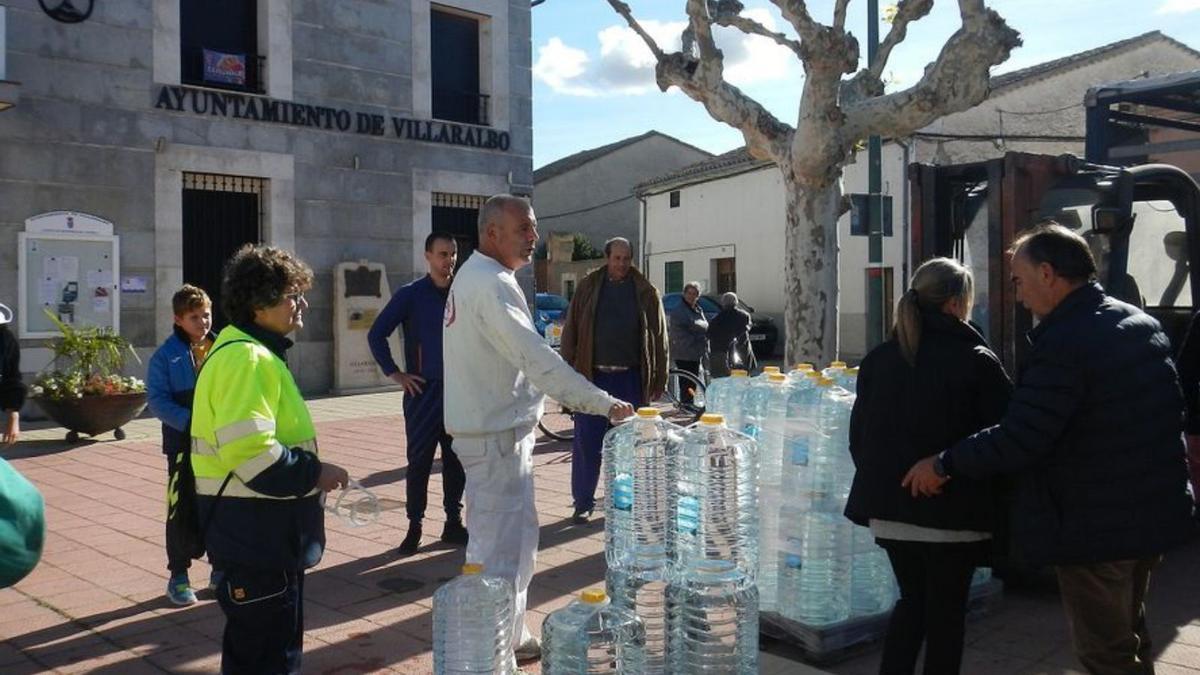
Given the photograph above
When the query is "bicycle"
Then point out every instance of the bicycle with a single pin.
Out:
(558, 421)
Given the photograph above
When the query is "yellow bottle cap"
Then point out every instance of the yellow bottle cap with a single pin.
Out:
(647, 411)
(738, 372)
(593, 596)
(472, 568)
(712, 418)
(770, 369)
(824, 382)
(852, 371)
(837, 364)
(816, 374)
(777, 377)
(804, 366)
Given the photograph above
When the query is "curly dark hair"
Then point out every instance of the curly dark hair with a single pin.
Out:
(257, 277)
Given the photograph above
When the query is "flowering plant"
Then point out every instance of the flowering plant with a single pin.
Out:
(87, 362)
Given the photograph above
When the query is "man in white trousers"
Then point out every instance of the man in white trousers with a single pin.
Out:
(497, 370)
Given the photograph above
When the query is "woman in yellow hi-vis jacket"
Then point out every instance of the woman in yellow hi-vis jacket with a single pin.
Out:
(258, 476)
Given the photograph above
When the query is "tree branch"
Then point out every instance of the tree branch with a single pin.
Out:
(728, 15)
(766, 137)
(796, 13)
(839, 14)
(959, 79)
(907, 11)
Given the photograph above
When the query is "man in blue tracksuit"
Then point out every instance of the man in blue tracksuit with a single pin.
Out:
(170, 384)
(419, 307)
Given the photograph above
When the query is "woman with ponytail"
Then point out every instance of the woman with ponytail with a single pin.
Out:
(933, 382)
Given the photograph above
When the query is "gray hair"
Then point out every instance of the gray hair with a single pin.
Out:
(691, 284)
(496, 205)
(616, 241)
(729, 300)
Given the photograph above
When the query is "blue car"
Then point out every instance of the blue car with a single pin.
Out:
(549, 309)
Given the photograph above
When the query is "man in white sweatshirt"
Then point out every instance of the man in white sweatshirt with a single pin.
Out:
(497, 369)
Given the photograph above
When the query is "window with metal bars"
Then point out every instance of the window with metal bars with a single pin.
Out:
(458, 216)
(220, 214)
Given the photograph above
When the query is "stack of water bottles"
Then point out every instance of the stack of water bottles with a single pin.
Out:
(680, 542)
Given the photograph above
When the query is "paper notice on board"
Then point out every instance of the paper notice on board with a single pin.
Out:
(68, 267)
(48, 292)
(100, 304)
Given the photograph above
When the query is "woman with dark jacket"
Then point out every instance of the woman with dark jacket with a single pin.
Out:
(935, 381)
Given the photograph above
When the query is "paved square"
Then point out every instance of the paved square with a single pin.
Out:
(96, 603)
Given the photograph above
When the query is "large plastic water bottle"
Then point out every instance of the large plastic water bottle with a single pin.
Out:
(765, 420)
(870, 576)
(814, 574)
(799, 372)
(591, 635)
(639, 461)
(714, 622)
(724, 397)
(714, 499)
(472, 625)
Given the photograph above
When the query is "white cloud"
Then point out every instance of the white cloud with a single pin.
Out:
(1178, 7)
(625, 65)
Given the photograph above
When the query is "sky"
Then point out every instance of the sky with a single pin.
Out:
(593, 78)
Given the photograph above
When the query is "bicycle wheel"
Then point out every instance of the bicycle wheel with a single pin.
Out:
(557, 422)
(684, 395)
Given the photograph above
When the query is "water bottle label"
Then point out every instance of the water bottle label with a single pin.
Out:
(798, 447)
(792, 560)
(751, 430)
(687, 517)
(622, 492)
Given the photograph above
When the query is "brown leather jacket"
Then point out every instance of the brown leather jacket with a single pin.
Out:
(578, 330)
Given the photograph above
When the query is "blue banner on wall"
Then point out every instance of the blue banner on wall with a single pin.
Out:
(225, 68)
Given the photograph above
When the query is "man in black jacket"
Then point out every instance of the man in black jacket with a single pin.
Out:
(729, 329)
(1093, 437)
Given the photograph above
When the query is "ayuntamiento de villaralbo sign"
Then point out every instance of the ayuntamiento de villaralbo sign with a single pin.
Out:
(262, 109)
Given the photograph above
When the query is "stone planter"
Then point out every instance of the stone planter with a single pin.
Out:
(93, 415)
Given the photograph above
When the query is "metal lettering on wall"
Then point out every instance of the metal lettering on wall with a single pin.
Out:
(261, 109)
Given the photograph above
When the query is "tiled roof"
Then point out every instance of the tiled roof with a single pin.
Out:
(578, 159)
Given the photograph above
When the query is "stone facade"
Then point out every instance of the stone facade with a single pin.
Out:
(91, 133)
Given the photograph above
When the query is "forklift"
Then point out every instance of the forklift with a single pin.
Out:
(1140, 215)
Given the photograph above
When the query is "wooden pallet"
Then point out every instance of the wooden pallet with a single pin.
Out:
(840, 641)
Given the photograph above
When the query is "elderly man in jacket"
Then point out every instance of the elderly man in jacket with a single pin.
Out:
(1093, 437)
(614, 335)
(497, 368)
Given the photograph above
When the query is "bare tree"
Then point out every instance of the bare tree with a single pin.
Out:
(835, 113)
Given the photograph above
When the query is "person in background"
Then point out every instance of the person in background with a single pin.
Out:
(614, 335)
(170, 385)
(259, 479)
(497, 368)
(729, 338)
(1094, 438)
(12, 387)
(419, 307)
(934, 382)
(689, 334)
(1189, 379)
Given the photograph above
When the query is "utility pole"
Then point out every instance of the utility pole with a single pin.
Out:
(876, 312)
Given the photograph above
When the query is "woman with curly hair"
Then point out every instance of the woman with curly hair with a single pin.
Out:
(259, 479)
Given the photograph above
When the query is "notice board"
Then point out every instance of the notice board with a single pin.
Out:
(73, 276)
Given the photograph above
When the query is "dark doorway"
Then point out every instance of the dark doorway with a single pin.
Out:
(454, 60)
(220, 215)
(458, 216)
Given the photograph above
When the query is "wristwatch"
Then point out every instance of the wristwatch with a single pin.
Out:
(939, 465)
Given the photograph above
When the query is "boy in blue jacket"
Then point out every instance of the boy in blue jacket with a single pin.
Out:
(170, 383)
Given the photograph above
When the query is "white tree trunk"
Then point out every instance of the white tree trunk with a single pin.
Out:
(811, 279)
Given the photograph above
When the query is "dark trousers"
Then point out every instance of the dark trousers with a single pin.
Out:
(425, 427)
(178, 555)
(692, 367)
(264, 621)
(589, 436)
(935, 580)
(1105, 605)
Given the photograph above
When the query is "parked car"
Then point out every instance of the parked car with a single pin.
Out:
(550, 311)
(764, 334)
